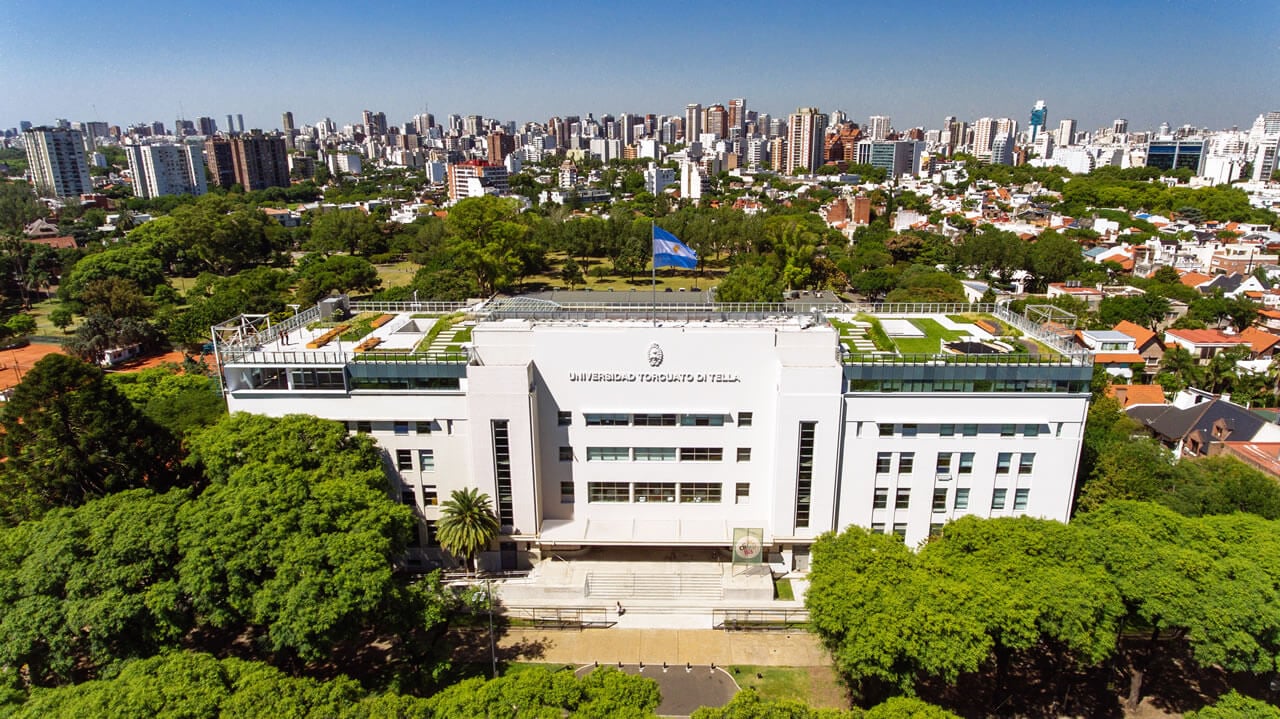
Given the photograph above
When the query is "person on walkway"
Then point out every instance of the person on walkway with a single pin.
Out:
(621, 611)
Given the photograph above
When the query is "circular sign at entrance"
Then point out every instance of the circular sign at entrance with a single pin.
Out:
(748, 547)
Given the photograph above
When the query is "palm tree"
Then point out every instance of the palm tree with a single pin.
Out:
(467, 524)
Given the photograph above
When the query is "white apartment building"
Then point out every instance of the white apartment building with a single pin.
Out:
(55, 157)
(673, 426)
(167, 169)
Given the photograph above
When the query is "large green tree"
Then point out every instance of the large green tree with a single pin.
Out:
(69, 435)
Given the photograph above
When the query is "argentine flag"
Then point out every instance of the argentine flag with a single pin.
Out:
(671, 252)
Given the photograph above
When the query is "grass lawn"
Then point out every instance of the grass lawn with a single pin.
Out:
(397, 274)
(40, 312)
(782, 588)
(931, 343)
(819, 687)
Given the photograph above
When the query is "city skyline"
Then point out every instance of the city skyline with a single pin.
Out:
(521, 63)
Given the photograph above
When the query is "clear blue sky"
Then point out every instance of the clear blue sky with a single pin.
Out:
(1211, 64)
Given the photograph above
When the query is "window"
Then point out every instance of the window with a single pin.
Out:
(1026, 462)
(653, 420)
(431, 534)
(900, 529)
(886, 430)
(742, 493)
(655, 491)
(940, 500)
(406, 497)
(877, 527)
(903, 499)
(608, 492)
(906, 462)
(947, 430)
(702, 420)
(1020, 497)
(884, 462)
(966, 463)
(969, 430)
(566, 491)
(608, 454)
(998, 497)
(804, 472)
(566, 454)
(365, 427)
(402, 428)
(423, 427)
(502, 472)
(404, 459)
(1002, 462)
(564, 419)
(699, 492)
(608, 420)
(881, 498)
(962, 498)
(744, 419)
(744, 454)
(944, 463)
(655, 454)
(1007, 430)
(1058, 431)
(427, 460)
(910, 430)
(1030, 430)
(701, 454)
(935, 529)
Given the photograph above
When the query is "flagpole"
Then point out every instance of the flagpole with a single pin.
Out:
(653, 303)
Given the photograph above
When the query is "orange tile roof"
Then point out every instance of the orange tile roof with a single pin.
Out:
(1259, 341)
(1118, 358)
(1131, 394)
(1273, 314)
(1194, 279)
(1263, 455)
(1141, 335)
(1207, 337)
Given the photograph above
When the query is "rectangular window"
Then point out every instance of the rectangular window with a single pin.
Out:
(1002, 462)
(655, 491)
(502, 473)
(998, 497)
(966, 463)
(1006, 430)
(944, 463)
(655, 454)
(365, 427)
(947, 430)
(910, 430)
(402, 428)
(744, 419)
(1030, 430)
(1020, 497)
(902, 500)
(431, 534)
(886, 430)
(900, 529)
(804, 472)
(744, 454)
(742, 493)
(698, 492)
(880, 500)
(566, 491)
(877, 527)
(427, 460)
(406, 497)
(608, 454)
(1026, 462)
(906, 462)
(653, 420)
(404, 459)
(962, 498)
(935, 529)
(607, 420)
(608, 492)
(702, 420)
(884, 462)
(940, 500)
(566, 454)
(564, 419)
(701, 454)
(969, 430)
(423, 427)
(430, 495)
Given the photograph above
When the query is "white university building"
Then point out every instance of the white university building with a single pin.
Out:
(685, 426)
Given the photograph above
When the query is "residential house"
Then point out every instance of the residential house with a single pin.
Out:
(1146, 343)
(1132, 395)
(1262, 456)
(1202, 344)
(1199, 424)
(1090, 295)
(1113, 351)
(1262, 345)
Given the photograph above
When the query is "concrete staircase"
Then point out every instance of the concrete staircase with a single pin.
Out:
(701, 586)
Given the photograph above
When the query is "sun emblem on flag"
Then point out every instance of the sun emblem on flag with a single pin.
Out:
(655, 355)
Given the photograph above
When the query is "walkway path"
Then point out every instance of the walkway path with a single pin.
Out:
(655, 646)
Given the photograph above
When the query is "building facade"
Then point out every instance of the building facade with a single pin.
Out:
(167, 169)
(56, 160)
(577, 420)
(806, 131)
